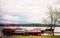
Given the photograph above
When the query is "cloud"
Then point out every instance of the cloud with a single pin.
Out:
(24, 5)
(34, 20)
(57, 2)
(11, 18)
(11, 22)
(24, 11)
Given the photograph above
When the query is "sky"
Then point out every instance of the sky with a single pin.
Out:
(25, 11)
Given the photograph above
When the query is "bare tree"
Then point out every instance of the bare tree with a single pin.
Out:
(53, 18)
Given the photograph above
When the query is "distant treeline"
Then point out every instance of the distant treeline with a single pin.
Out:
(31, 25)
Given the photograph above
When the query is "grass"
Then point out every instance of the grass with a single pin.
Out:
(27, 37)
(55, 36)
(31, 36)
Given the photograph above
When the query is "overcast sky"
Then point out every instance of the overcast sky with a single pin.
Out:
(25, 11)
